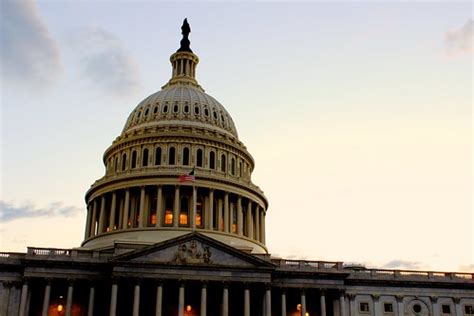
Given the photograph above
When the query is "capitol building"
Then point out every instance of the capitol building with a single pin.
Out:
(176, 227)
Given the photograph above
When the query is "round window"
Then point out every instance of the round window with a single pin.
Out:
(417, 308)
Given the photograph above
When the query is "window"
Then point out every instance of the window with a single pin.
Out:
(155, 110)
(146, 112)
(234, 218)
(206, 112)
(232, 165)
(158, 156)
(168, 211)
(446, 309)
(186, 156)
(124, 161)
(214, 114)
(388, 307)
(417, 308)
(134, 159)
(223, 163)
(199, 214)
(116, 164)
(172, 156)
(175, 108)
(469, 309)
(212, 160)
(196, 110)
(165, 109)
(184, 213)
(199, 158)
(240, 169)
(364, 307)
(145, 157)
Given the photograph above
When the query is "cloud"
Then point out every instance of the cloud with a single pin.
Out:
(403, 264)
(28, 52)
(459, 41)
(105, 62)
(9, 212)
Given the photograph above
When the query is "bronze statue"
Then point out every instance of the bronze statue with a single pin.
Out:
(185, 30)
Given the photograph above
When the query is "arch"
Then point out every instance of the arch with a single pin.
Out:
(116, 164)
(134, 159)
(172, 156)
(145, 157)
(186, 156)
(158, 156)
(223, 163)
(124, 161)
(199, 157)
(212, 160)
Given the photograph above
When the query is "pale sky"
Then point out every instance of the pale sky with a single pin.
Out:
(358, 115)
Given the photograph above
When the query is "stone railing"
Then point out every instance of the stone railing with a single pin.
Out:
(11, 255)
(410, 274)
(306, 264)
(58, 253)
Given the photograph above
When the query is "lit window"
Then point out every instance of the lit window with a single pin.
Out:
(446, 309)
(168, 220)
(199, 218)
(364, 307)
(184, 213)
(388, 307)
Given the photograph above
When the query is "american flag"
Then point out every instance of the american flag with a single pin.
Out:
(187, 177)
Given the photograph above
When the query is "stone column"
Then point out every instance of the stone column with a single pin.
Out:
(120, 219)
(342, 304)
(181, 300)
(457, 306)
(283, 302)
(47, 296)
(126, 209)
(23, 299)
(5, 298)
(90, 306)
(102, 215)
(323, 303)
(159, 300)
(211, 210)
(268, 302)
(246, 302)
(203, 299)
(225, 301)
(112, 211)
(303, 303)
(141, 214)
(262, 228)
(113, 299)
(226, 212)
(159, 202)
(434, 305)
(400, 306)
(176, 207)
(249, 220)
(352, 307)
(70, 292)
(257, 222)
(240, 217)
(136, 300)
(94, 218)
(193, 210)
(88, 222)
(377, 307)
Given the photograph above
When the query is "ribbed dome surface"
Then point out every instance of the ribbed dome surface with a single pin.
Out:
(181, 105)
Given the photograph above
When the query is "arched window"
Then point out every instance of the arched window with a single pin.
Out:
(184, 212)
(168, 220)
(116, 164)
(240, 169)
(223, 163)
(212, 160)
(232, 165)
(199, 213)
(124, 161)
(145, 158)
(158, 156)
(172, 156)
(186, 156)
(134, 159)
(199, 158)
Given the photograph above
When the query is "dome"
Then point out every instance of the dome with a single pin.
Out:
(181, 104)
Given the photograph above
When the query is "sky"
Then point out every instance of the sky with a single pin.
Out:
(358, 115)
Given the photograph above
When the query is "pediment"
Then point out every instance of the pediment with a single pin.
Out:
(193, 249)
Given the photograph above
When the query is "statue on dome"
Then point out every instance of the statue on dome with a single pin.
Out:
(185, 30)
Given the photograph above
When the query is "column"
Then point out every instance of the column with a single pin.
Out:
(90, 306)
(94, 218)
(400, 305)
(352, 307)
(303, 303)
(102, 215)
(262, 224)
(70, 291)
(88, 222)
(136, 300)
(193, 209)
(141, 214)
(435, 306)
(5, 298)
(268, 302)
(203, 299)
(249, 220)
(246, 302)
(342, 304)
(240, 217)
(113, 299)
(159, 202)
(112, 212)
(120, 219)
(257, 222)
(47, 295)
(126, 209)
(322, 299)
(225, 301)
(226, 212)
(283, 302)
(181, 300)
(159, 300)
(23, 299)
(457, 306)
(176, 207)
(377, 307)
(211, 210)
